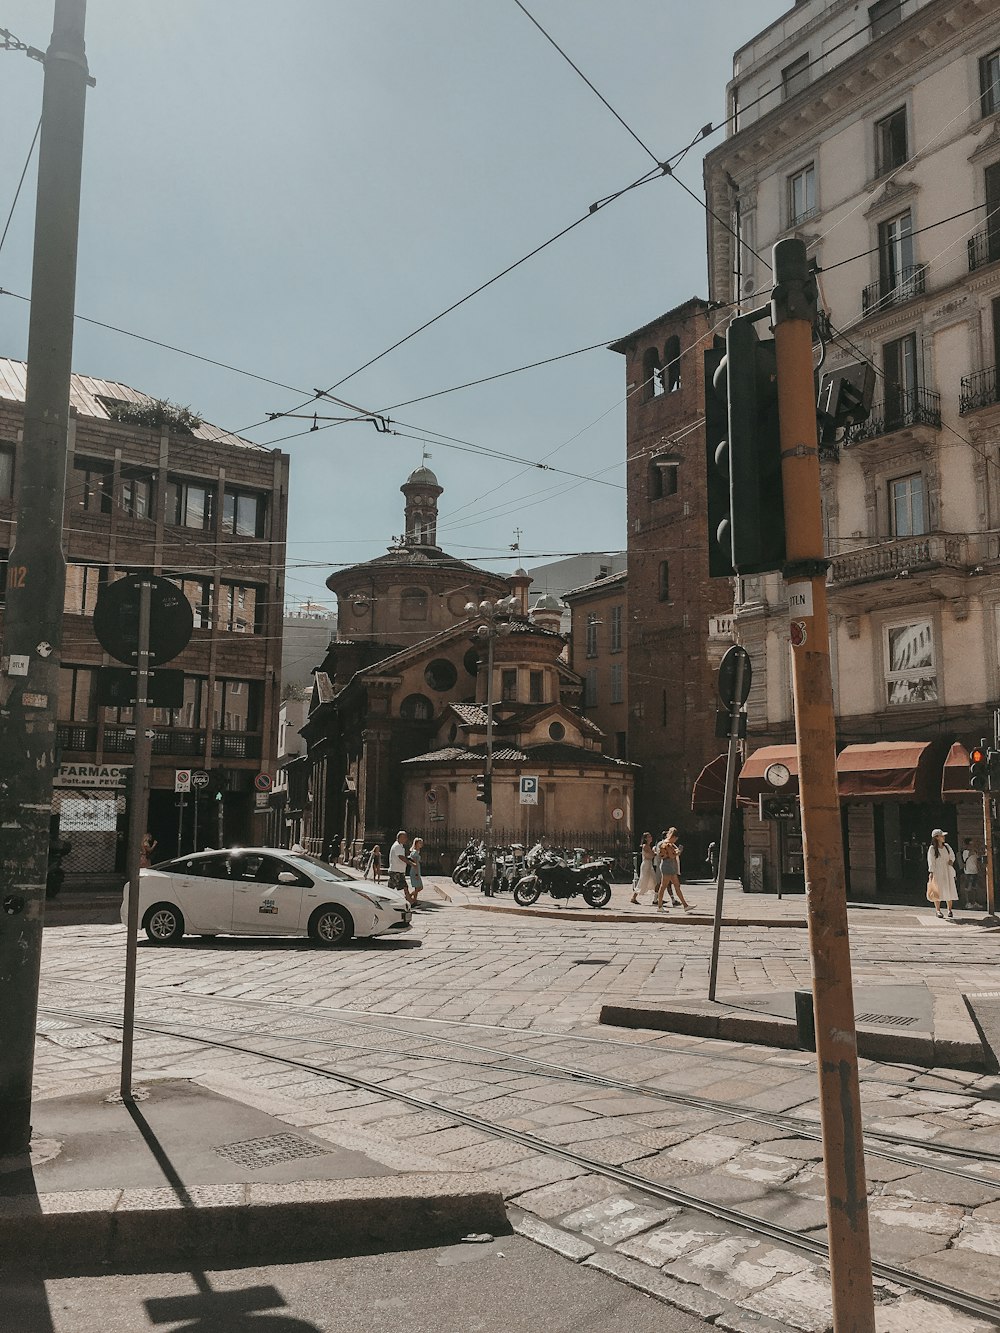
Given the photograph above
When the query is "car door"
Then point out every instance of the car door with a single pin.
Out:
(262, 904)
(204, 893)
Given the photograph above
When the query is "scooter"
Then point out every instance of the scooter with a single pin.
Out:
(561, 879)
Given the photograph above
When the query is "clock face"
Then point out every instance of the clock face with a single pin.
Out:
(777, 775)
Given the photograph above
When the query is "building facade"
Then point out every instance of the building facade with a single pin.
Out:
(598, 654)
(873, 134)
(208, 511)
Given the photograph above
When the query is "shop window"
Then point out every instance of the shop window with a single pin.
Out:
(989, 83)
(508, 686)
(617, 683)
(91, 486)
(908, 506)
(416, 708)
(616, 629)
(190, 504)
(592, 634)
(243, 513)
(6, 472)
(536, 687)
(413, 604)
(663, 586)
(671, 373)
(440, 674)
(910, 667)
(801, 195)
(884, 16)
(83, 583)
(890, 142)
(795, 77)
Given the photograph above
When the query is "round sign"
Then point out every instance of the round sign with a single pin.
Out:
(116, 619)
(430, 796)
(617, 813)
(797, 633)
(262, 782)
(728, 671)
(200, 779)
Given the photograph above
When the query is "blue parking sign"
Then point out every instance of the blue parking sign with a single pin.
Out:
(529, 791)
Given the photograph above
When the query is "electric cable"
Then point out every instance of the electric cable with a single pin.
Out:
(24, 172)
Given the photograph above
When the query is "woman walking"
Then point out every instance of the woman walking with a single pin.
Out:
(647, 876)
(413, 869)
(941, 883)
(670, 869)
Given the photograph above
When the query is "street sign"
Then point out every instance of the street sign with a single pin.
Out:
(617, 813)
(262, 782)
(199, 779)
(116, 619)
(727, 676)
(529, 791)
(182, 779)
(262, 801)
(431, 796)
(116, 687)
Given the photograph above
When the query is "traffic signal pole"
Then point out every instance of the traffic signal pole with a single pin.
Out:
(36, 580)
(793, 312)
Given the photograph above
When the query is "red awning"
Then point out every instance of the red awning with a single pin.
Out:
(709, 787)
(955, 774)
(752, 784)
(905, 770)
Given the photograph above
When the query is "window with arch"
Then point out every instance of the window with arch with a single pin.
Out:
(416, 708)
(652, 383)
(671, 373)
(413, 604)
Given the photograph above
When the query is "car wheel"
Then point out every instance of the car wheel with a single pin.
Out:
(163, 924)
(330, 926)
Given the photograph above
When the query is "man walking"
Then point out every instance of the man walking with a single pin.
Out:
(970, 873)
(398, 864)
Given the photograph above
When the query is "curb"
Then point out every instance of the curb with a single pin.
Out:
(664, 918)
(955, 1050)
(240, 1224)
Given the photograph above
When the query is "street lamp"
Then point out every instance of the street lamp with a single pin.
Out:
(492, 626)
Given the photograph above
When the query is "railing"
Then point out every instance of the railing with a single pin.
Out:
(236, 745)
(70, 737)
(978, 390)
(907, 284)
(189, 744)
(804, 216)
(908, 407)
(891, 559)
(984, 248)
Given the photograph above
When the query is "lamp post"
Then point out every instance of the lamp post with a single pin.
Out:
(490, 628)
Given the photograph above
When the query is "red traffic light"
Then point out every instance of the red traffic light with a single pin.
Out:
(977, 756)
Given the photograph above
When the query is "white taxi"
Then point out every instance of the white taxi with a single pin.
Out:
(262, 891)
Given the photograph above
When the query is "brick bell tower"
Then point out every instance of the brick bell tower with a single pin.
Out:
(421, 489)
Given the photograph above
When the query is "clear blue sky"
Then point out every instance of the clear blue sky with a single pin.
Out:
(290, 188)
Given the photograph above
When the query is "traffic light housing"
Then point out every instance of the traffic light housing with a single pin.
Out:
(979, 768)
(484, 788)
(993, 768)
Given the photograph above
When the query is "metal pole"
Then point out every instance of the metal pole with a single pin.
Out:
(793, 313)
(194, 835)
(735, 710)
(988, 839)
(180, 826)
(136, 832)
(488, 866)
(36, 578)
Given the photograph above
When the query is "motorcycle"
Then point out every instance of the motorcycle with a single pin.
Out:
(469, 863)
(562, 879)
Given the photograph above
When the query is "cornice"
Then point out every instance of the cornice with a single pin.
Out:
(892, 197)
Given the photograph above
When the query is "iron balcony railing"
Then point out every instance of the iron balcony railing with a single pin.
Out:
(904, 286)
(899, 557)
(899, 411)
(984, 248)
(189, 744)
(978, 390)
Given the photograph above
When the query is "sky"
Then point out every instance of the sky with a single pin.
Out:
(291, 189)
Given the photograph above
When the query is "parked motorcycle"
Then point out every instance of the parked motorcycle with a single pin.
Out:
(562, 879)
(469, 862)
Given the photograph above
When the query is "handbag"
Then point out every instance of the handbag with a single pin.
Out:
(933, 889)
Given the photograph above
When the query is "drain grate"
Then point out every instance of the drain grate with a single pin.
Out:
(887, 1020)
(257, 1153)
(591, 962)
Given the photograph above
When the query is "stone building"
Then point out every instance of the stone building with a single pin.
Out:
(873, 133)
(598, 629)
(207, 510)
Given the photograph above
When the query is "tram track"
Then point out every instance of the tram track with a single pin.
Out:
(621, 1175)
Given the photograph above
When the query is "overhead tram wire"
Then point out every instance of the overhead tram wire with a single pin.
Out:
(24, 172)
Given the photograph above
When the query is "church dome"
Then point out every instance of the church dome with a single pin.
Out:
(548, 603)
(421, 476)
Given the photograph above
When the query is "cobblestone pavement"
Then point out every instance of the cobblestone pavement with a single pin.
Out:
(451, 1014)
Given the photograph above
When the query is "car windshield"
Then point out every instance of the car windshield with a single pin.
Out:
(315, 865)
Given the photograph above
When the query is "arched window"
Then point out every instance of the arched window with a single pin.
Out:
(672, 364)
(652, 385)
(416, 708)
(413, 604)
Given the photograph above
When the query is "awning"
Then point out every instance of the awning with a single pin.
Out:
(955, 774)
(709, 787)
(905, 770)
(752, 784)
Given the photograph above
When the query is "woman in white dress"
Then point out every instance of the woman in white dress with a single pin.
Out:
(647, 876)
(941, 873)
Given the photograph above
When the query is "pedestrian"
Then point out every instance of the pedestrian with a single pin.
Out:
(712, 859)
(941, 887)
(413, 869)
(398, 863)
(658, 867)
(646, 878)
(970, 873)
(146, 849)
(375, 864)
(670, 866)
(333, 850)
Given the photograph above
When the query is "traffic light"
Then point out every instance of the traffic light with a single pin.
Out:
(484, 788)
(720, 537)
(757, 507)
(218, 783)
(993, 767)
(979, 769)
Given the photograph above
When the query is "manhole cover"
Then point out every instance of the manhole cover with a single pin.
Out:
(887, 1020)
(257, 1153)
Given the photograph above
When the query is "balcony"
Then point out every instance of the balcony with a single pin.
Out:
(978, 390)
(76, 738)
(901, 411)
(908, 283)
(188, 744)
(984, 248)
(899, 557)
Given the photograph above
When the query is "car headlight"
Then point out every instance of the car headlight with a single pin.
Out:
(377, 903)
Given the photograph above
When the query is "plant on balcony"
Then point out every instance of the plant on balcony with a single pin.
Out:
(156, 413)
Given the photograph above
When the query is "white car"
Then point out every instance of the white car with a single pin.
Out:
(262, 891)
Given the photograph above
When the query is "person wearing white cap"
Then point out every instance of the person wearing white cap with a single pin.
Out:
(941, 883)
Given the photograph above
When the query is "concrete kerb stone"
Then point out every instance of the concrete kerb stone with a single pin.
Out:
(602, 914)
(256, 1223)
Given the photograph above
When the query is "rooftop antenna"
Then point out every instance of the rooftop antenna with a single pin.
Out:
(516, 543)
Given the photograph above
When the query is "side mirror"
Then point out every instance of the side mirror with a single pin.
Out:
(287, 877)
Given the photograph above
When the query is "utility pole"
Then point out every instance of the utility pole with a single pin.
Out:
(32, 632)
(793, 312)
(488, 866)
